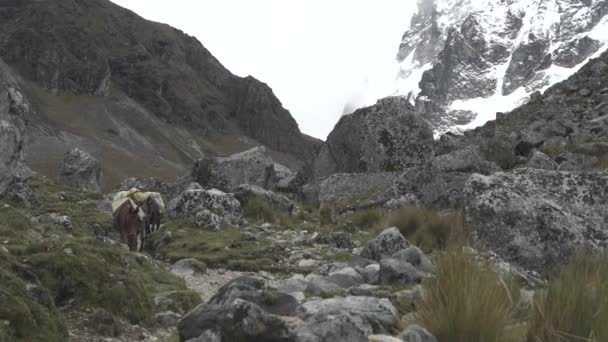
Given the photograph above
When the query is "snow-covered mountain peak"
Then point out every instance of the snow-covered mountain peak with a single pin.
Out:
(464, 60)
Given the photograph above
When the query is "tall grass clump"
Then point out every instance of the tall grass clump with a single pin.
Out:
(467, 301)
(574, 306)
(428, 229)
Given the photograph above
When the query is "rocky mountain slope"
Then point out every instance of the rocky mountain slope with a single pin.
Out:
(463, 61)
(143, 97)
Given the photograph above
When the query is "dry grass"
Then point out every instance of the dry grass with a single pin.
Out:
(429, 229)
(467, 301)
(575, 305)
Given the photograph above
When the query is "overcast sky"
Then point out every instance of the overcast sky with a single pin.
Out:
(316, 55)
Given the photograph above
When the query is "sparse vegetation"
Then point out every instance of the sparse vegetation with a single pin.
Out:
(260, 211)
(225, 248)
(467, 301)
(429, 229)
(574, 307)
(71, 269)
(425, 228)
(552, 150)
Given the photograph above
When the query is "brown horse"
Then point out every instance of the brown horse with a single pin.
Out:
(129, 222)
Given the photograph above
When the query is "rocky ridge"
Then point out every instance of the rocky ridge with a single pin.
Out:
(462, 61)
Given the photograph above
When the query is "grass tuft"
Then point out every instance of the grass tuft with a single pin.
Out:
(467, 301)
(575, 305)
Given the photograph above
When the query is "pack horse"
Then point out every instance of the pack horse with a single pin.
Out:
(137, 214)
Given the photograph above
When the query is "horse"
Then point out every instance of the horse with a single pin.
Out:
(129, 221)
(154, 207)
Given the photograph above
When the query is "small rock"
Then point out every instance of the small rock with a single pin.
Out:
(188, 267)
(415, 333)
(397, 271)
(308, 263)
(384, 245)
(345, 278)
(371, 273)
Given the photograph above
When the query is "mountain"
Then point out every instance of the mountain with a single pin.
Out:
(143, 97)
(464, 60)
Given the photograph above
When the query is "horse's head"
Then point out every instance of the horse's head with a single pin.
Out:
(136, 211)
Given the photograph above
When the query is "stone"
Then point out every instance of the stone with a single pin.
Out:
(345, 278)
(371, 273)
(206, 208)
(415, 333)
(246, 193)
(319, 286)
(253, 290)
(379, 312)
(385, 244)
(252, 167)
(237, 320)
(351, 191)
(394, 271)
(414, 256)
(537, 218)
(15, 110)
(388, 136)
(541, 161)
(406, 300)
(308, 263)
(188, 266)
(383, 338)
(339, 326)
(81, 170)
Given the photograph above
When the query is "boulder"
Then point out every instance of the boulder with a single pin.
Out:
(440, 183)
(342, 326)
(541, 161)
(349, 191)
(535, 218)
(238, 320)
(394, 271)
(379, 312)
(345, 278)
(81, 170)
(385, 245)
(371, 273)
(15, 110)
(246, 193)
(253, 167)
(416, 333)
(206, 208)
(414, 256)
(388, 136)
(320, 286)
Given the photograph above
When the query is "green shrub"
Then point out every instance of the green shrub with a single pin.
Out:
(467, 301)
(574, 307)
(428, 229)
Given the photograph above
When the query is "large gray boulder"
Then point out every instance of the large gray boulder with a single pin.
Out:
(389, 136)
(239, 320)
(347, 191)
(440, 183)
(15, 110)
(385, 245)
(246, 193)
(535, 218)
(81, 170)
(206, 208)
(343, 326)
(379, 312)
(254, 167)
